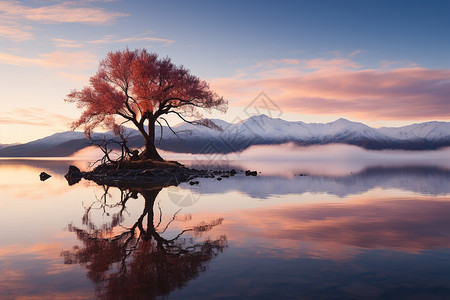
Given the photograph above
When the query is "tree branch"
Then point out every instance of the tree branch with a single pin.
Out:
(160, 126)
(168, 125)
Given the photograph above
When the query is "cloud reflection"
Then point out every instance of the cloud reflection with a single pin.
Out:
(22, 264)
(340, 230)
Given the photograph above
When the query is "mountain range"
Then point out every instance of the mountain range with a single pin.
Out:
(257, 130)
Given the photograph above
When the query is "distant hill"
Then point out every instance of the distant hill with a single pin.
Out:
(7, 145)
(57, 145)
(256, 130)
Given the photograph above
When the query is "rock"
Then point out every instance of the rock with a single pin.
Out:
(250, 173)
(44, 176)
(73, 172)
(219, 178)
(74, 175)
(134, 155)
(232, 172)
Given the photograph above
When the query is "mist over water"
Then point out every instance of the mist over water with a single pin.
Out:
(290, 159)
(353, 157)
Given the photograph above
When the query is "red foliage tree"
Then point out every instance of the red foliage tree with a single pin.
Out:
(141, 88)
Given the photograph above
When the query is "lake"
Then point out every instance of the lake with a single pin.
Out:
(301, 229)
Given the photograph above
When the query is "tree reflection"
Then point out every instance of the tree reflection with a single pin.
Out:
(139, 261)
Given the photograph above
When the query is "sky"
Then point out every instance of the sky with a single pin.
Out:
(383, 63)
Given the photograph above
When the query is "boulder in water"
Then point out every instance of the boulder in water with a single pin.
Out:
(74, 175)
(44, 176)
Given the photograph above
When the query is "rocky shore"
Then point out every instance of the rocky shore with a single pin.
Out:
(147, 174)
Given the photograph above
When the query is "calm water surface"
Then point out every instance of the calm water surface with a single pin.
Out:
(374, 232)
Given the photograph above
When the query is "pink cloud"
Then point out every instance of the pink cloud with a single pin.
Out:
(109, 39)
(284, 67)
(327, 64)
(64, 43)
(15, 16)
(34, 117)
(14, 32)
(81, 59)
(342, 87)
(356, 52)
(59, 13)
(386, 64)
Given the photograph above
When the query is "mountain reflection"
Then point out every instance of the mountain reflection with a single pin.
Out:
(139, 262)
(426, 180)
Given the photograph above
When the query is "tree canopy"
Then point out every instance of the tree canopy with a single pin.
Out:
(140, 88)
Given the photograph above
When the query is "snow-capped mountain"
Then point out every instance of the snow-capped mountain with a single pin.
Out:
(261, 130)
(256, 130)
(432, 131)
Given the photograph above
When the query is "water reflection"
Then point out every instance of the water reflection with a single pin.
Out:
(52, 165)
(340, 230)
(139, 261)
(380, 233)
(427, 180)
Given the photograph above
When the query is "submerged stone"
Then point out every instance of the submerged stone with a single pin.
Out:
(44, 176)
(74, 175)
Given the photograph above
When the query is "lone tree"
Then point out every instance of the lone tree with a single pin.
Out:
(138, 87)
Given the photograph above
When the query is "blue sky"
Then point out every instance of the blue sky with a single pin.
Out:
(384, 63)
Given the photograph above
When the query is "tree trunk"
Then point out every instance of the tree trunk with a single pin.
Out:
(150, 197)
(150, 151)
